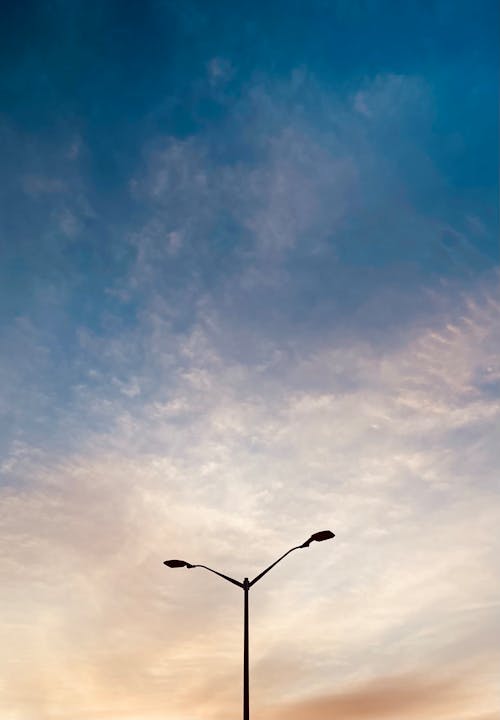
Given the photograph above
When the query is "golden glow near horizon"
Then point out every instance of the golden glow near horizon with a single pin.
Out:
(396, 617)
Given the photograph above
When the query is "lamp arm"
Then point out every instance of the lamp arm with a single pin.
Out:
(275, 563)
(226, 577)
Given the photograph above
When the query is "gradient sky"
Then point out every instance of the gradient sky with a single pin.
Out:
(250, 290)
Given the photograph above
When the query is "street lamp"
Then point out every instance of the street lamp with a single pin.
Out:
(246, 585)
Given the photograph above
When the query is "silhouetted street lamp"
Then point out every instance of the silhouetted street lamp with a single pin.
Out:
(246, 585)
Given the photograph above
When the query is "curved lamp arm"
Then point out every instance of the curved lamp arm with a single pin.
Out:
(183, 563)
(226, 577)
(252, 582)
(318, 537)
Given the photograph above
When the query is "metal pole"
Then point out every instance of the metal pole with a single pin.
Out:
(246, 693)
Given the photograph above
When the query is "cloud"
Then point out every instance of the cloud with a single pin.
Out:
(276, 354)
(296, 221)
(400, 697)
(219, 70)
(396, 98)
(394, 450)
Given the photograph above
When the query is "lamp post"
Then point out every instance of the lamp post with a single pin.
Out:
(246, 585)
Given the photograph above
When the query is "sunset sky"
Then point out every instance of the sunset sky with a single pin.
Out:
(249, 290)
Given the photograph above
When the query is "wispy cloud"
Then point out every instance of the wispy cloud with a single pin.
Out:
(403, 696)
(220, 336)
(385, 447)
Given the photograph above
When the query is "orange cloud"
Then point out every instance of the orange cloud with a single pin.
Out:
(400, 697)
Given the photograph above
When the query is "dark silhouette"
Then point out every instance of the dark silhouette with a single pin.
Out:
(246, 585)
(177, 563)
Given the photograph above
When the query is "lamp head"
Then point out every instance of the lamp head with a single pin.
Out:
(177, 564)
(319, 537)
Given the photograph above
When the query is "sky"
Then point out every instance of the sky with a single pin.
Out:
(249, 290)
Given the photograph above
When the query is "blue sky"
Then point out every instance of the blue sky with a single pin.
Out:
(249, 285)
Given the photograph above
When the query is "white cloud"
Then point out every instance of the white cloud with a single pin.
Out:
(218, 424)
(229, 466)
